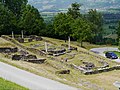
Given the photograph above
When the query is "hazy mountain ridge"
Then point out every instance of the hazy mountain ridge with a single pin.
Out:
(86, 4)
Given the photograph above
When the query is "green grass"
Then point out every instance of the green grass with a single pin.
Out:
(7, 85)
(118, 53)
(75, 78)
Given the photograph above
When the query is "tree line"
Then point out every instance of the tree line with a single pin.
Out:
(81, 27)
(17, 15)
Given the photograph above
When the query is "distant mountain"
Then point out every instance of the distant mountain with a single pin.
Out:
(55, 5)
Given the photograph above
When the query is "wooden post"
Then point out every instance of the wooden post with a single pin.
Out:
(22, 34)
(46, 47)
(12, 35)
(68, 43)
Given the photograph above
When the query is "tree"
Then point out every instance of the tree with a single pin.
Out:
(74, 11)
(49, 31)
(118, 33)
(96, 19)
(62, 24)
(81, 30)
(7, 20)
(118, 30)
(14, 5)
(31, 21)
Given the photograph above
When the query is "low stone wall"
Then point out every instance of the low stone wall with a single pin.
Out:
(57, 52)
(17, 57)
(30, 40)
(20, 40)
(32, 36)
(38, 38)
(100, 70)
(23, 52)
(63, 72)
(35, 37)
(38, 61)
(36, 51)
(28, 58)
(8, 49)
(23, 57)
(71, 47)
(12, 40)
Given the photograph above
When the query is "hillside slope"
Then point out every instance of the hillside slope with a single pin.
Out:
(54, 64)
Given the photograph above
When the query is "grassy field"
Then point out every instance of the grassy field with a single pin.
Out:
(7, 85)
(4, 43)
(102, 81)
(117, 53)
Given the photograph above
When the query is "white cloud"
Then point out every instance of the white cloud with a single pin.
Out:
(53, 0)
(45, 2)
(98, 0)
(47, 7)
(37, 3)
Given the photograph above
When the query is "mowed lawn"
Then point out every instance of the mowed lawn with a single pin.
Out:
(7, 85)
(117, 53)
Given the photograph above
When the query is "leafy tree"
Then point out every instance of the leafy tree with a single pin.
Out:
(31, 21)
(14, 5)
(96, 19)
(7, 20)
(62, 24)
(50, 32)
(118, 30)
(81, 30)
(74, 11)
(118, 33)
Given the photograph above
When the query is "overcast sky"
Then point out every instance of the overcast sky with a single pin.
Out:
(87, 4)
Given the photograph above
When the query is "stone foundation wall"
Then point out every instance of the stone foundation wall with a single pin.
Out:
(23, 57)
(8, 50)
(63, 72)
(38, 61)
(37, 38)
(17, 57)
(20, 40)
(28, 58)
(36, 51)
(100, 70)
(71, 47)
(30, 40)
